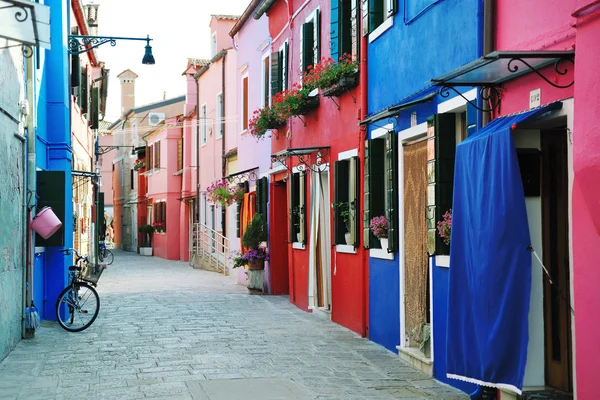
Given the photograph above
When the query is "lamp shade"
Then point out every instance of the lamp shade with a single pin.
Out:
(148, 57)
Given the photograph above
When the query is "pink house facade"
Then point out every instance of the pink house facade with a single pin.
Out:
(253, 43)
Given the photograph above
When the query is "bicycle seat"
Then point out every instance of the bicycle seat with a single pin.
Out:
(74, 268)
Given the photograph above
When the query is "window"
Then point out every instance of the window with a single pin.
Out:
(266, 81)
(262, 197)
(381, 188)
(203, 118)
(310, 41)
(346, 203)
(160, 213)
(279, 70)
(297, 189)
(238, 217)
(344, 28)
(157, 154)
(244, 103)
(213, 45)
(219, 120)
(150, 159)
(179, 154)
(375, 12)
(83, 92)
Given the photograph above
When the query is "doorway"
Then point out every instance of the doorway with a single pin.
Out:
(320, 235)
(555, 232)
(416, 262)
(278, 240)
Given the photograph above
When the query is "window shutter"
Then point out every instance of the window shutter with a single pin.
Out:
(75, 71)
(292, 185)
(317, 37)
(336, 27)
(93, 112)
(391, 7)
(276, 78)
(149, 161)
(164, 215)
(375, 14)
(307, 45)
(302, 205)
(376, 172)
(353, 199)
(157, 154)
(391, 158)
(265, 197)
(284, 66)
(345, 38)
(83, 97)
(340, 195)
(365, 18)
(367, 199)
(237, 219)
(354, 40)
(180, 154)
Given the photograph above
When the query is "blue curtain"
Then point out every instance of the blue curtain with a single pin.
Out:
(490, 265)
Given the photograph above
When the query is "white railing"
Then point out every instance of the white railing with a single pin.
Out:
(209, 249)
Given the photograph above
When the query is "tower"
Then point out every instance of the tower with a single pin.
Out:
(127, 79)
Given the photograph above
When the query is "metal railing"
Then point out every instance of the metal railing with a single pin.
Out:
(209, 248)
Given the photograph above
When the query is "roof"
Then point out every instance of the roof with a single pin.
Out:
(147, 107)
(226, 17)
(216, 58)
(127, 70)
(196, 62)
(104, 126)
(245, 15)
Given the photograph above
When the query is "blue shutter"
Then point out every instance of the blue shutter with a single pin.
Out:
(335, 28)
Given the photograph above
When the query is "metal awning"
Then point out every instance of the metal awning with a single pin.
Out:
(303, 155)
(501, 66)
(395, 110)
(242, 176)
(26, 23)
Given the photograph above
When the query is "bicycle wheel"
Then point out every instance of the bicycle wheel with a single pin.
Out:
(101, 255)
(77, 307)
(108, 256)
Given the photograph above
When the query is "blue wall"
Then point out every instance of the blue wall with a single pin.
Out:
(407, 56)
(384, 306)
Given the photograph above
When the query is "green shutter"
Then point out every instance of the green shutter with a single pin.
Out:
(284, 65)
(75, 71)
(375, 14)
(275, 73)
(50, 186)
(317, 37)
(83, 92)
(335, 28)
(302, 205)
(375, 169)
(353, 199)
(94, 106)
(307, 45)
(354, 40)
(391, 158)
(340, 195)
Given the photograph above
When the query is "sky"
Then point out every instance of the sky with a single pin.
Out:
(179, 29)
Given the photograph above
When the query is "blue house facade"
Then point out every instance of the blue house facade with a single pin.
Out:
(53, 153)
(413, 130)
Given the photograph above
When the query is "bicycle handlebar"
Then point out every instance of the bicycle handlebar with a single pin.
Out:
(68, 252)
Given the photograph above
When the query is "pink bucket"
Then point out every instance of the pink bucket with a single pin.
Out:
(45, 223)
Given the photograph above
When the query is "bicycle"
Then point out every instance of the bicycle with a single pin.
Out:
(78, 304)
(105, 254)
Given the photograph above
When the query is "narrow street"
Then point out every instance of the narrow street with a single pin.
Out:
(168, 331)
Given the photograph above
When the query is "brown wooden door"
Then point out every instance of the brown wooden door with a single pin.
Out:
(557, 311)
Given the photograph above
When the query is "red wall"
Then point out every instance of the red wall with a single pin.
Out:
(325, 126)
(586, 206)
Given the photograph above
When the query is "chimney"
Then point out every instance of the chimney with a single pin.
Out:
(90, 12)
(164, 95)
(127, 79)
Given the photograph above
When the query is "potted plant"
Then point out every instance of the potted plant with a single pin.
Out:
(263, 120)
(423, 338)
(256, 233)
(345, 215)
(146, 247)
(139, 164)
(379, 227)
(333, 78)
(444, 226)
(299, 100)
(158, 227)
(238, 260)
(221, 192)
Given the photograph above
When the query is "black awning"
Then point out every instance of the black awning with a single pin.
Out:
(248, 174)
(395, 110)
(501, 66)
(303, 157)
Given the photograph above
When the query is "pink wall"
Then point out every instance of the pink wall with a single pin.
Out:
(106, 170)
(586, 195)
(222, 28)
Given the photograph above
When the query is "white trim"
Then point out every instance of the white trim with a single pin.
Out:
(115, 161)
(431, 344)
(298, 246)
(39, 250)
(312, 15)
(213, 39)
(403, 336)
(379, 132)
(276, 169)
(381, 253)
(344, 155)
(385, 25)
(442, 261)
(264, 44)
(456, 102)
(243, 68)
(413, 132)
(244, 76)
(296, 170)
(505, 386)
(264, 91)
(219, 111)
(345, 248)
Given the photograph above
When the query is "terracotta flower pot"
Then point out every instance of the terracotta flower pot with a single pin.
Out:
(256, 265)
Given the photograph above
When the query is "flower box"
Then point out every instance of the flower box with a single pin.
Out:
(312, 102)
(342, 86)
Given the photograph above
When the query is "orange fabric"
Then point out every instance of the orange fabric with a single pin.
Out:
(248, 212)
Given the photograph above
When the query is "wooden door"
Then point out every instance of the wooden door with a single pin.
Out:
(557, 310)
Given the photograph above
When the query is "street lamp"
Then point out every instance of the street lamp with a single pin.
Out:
(81, 44)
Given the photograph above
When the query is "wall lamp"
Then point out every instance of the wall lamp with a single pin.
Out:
(81, 44)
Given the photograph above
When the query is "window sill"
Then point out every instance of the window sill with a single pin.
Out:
(380, 253)
(39, 250)
(204, 144)
(244, 132)
(178, 172)
(298, 246)
(385, 25)
(442, 261)
(345, 248)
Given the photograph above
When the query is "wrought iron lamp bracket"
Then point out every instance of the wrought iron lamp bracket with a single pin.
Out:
(81, 44)
(512, 67)
(244, 176)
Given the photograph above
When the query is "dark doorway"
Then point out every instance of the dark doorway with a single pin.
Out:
(278, 245)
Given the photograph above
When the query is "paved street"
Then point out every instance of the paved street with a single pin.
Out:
(168, 331)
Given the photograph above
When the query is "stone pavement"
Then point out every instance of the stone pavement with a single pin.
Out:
(168, 331)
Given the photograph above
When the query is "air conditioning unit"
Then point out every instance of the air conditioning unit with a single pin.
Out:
(155, 118)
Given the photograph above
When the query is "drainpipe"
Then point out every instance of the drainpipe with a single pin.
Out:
(223, 160)
(197, 151)
(361, 156)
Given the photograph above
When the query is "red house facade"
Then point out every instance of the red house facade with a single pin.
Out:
(316, 167)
